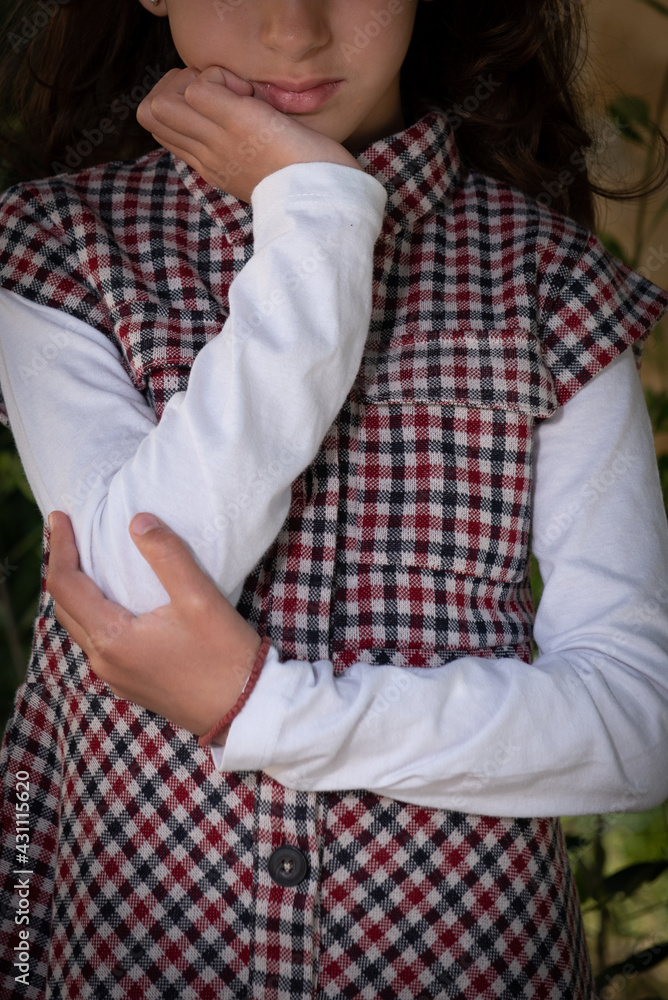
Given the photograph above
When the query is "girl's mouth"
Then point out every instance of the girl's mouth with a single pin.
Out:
(297, 98)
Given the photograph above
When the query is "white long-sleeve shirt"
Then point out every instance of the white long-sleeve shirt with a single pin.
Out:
(92, 446)
(582, 729)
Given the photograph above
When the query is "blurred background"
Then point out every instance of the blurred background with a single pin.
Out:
(620, 861)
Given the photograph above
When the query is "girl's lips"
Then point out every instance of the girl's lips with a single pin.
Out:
(297, 102)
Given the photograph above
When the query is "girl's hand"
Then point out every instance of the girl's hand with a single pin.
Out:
(232, 139)
(187, 661)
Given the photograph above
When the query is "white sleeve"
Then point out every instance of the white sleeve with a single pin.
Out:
(219, 465)
(584, 729)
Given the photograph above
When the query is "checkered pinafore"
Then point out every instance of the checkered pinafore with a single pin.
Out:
(152, 874)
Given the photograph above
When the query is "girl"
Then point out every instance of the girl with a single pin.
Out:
(345, 330)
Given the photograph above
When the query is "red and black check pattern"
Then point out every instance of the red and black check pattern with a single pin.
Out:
(493, 910)
(406, 542)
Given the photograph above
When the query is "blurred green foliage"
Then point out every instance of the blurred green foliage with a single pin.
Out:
(621, 860)
(20, 563)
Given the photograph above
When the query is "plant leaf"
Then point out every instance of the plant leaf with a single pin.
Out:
(12, 476)
(627, 112)
(657, 5)
(629, 879)
(657, 406)
(613, 246)
(574, 842)
(663, 478)
(641, 961)
(586, 882)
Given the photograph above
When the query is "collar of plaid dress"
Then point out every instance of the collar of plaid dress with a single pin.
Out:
(420, 167)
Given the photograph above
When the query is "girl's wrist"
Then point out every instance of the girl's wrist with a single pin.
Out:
(218, 732)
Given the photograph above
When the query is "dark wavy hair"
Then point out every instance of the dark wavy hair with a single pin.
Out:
(507, 74)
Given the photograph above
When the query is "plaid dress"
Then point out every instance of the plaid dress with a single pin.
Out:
(149, 873)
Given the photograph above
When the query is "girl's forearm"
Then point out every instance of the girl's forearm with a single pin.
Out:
(584, 728)
(218, 468)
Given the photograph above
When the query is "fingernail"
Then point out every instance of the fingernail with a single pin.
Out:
(141, 523)
(50, 522)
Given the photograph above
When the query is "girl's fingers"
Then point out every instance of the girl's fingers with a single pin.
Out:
(64, 555)
(209, 96)
(65, 581)
(227, 109)
(219, 176)
(173, 83)
(78, 633)
(172, 139)
(178, 150)
(216, 74)
(80, 606)
(172, 562)
(168, 102)
(177, 80)
(103, 635)
(173, 112)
